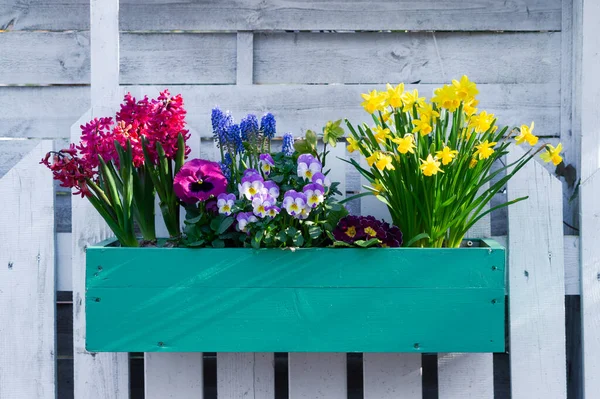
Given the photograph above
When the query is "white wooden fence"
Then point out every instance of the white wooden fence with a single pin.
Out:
(307, 62)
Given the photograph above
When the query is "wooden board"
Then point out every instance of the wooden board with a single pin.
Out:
(245, 375)
(536, 283)
(392, 375)
(317, 376)
(380, 57)
(27, 330)
(173, 375)
(292, 15)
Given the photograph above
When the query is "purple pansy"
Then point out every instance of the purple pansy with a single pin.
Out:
(321, 179)
(273, 211)
(225, 203)
(243, 218)
(260, 203)
(266, 163)
(199, 180)
(272, 188)
(251, 185)
(308, 166)
(294, 202)
(314, 194)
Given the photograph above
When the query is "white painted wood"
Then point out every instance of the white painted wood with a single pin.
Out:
(245, 375)
(373, 57)
(466, 375)
(317, 376)
(64, 276)
(336, 166)
(27, 310)
(104, 48)
(587, 85)
(245, 58)
(173, 375)
(392, 375)
(536, 284)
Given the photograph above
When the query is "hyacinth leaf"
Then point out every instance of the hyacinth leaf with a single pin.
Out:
(151, 170)
(180, 156)
(113, 193)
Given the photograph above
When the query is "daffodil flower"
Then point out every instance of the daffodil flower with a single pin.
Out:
(381, 134)
(381, 161)
(426, 112)
(484, 150)
(405, 144)
(410, 98)
(472, 163)
(482, 122)
(430, 166)
(394, 95)
(552, 154)
(465, 89)
(422, 126)
(374, 101)
(446, 97)
(352, 145)
(526, 135)
(446, 155)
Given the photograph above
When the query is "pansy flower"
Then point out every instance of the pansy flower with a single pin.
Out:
(272, 188)
(266, 163)
(250, 186)
(250, 172)
(243, 218)
(272, 211)
(199, 180)
(294, 202)
(304, 213)
(260, 203)
(308, 166)
(225, 203)
(314, 194)
(321, 179)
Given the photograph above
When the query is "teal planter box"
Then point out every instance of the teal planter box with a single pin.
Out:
(307, 300)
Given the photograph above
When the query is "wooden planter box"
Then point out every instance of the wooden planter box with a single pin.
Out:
(307, 300)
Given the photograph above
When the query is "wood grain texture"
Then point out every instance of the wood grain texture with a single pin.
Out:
(392, 375)
(588, 88)
(290, 15)
(245, 58)
(536, 282)
(380, 57)
(311, 306)
(165, 58)
(245, 375)
(173, 375)
(317, 376)
(27, 330)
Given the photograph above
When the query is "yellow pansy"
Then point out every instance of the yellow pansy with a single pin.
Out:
(427, 112)
(374, 101)
(484, 150)
(446, 97)
(473, 163)
(470, 107)
(422, 126)
(381, 134)
(405, 144)
(446, 155)
(382, 161)
(482, 122)
(465, 89)
(410, 98)
(552, 154)
(352, 145)
(430, 166)
(394, 95)
(526, 135)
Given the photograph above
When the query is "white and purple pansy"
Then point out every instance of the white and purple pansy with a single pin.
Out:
(249, 172)
(314, 194)
(251, 185)
(266, 163)
(272, 188)
(243, 218)
(308, 166)
(273, 211)
(320, 178)
(225, 203)
(294, 202)
(260, 203)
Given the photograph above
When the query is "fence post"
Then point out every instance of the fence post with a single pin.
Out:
(536, 283)
(27, 296)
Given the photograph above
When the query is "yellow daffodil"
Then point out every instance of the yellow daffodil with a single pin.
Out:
(470, 107)
(386, 116)
(405, 144)
(482, 122)
(430, 166)
(422, 126)
(446, 97)
(382, 161)
(446, 155)
(394, 95)
(552, 154)
(352, 145)
(381, 134)
(426, 112)
(526, 135)
(374, 101)
(377, 187)
(473, 163)
(410, 98)
(484, 150)
(465, 89)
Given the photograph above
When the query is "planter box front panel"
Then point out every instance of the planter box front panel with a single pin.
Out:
(308, 300)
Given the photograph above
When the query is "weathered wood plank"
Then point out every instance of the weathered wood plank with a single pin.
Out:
(166, 58)
(380, 57)
(173, 375)
(466, 375)
(291, 15)
(317, 375)
(536, 281)
(27, 330)
(587, 87)
(392, 375)
(245, 375)
(245, 58)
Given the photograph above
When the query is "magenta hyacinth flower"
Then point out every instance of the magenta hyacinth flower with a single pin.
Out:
(308, 166)
(272, 188)
(266, 163)
(315, 194)
(199, 180)
(243, 218)
(294, 202)
(225, 203)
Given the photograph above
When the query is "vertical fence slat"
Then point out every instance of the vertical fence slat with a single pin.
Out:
(392, 375)
(245, 375)
(317, 376)
(245, 58)
(536, 284)
(27, 301)
(589, 84)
